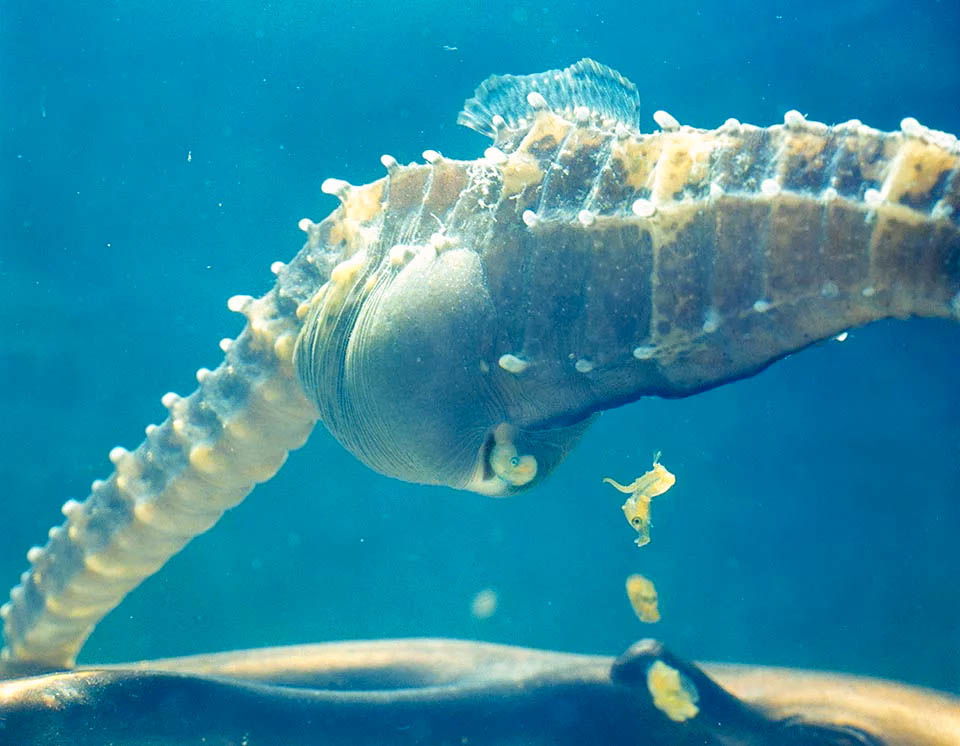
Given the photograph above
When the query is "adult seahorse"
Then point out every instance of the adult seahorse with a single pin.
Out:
(460, 322)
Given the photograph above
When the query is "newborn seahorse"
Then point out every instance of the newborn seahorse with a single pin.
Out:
(461, 322)
(642, 594)
(641, 490)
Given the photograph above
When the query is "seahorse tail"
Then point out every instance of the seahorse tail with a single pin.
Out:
(233, 432)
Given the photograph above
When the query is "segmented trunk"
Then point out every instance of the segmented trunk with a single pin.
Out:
(487, 309)
(706, 255)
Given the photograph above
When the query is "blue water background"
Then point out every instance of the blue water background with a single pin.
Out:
(155, 159)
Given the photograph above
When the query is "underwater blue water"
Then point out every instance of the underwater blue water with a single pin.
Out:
(156, 158)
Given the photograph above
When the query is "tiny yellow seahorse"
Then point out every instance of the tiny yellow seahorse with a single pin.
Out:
(643, 598)
(672, 692)
(637, 507)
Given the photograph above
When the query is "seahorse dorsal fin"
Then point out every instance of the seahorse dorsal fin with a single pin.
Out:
(585, 89)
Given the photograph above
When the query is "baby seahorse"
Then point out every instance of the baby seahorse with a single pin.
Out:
(637, 507)
(643, 598)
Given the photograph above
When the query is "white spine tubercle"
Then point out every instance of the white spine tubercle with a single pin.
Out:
(233, 432)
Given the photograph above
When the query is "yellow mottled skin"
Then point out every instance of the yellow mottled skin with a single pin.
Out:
(916, 169)
(685, 160)
(548, 130)
(807, 144)
(637, 159)
(865, 147)
(667, 163)
(361, 207)
(364, 203)
(520, 171)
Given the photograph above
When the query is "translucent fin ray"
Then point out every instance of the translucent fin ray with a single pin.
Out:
(602, 90)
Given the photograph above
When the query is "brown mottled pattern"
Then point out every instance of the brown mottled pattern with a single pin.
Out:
(739, 259)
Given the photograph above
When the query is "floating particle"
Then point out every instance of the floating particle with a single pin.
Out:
(484, 604)
(513, 364)
(711, 321)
